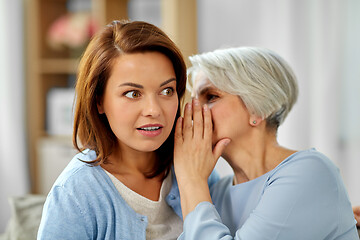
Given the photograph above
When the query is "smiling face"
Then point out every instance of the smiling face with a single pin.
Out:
(229, 115)
(140, 100)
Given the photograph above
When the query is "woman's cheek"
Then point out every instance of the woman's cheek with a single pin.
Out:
(215, 125)
(210, 105)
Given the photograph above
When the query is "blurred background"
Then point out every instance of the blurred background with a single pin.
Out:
(41, 42)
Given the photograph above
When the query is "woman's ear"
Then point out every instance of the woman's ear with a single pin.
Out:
(100, 106)
(254, 120)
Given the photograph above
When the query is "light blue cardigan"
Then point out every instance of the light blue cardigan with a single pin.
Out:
(84, 204)
(303, 198)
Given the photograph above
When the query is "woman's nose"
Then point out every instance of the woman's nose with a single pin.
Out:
(152, 107)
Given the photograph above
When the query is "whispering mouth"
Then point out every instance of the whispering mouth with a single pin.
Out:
(149, 128)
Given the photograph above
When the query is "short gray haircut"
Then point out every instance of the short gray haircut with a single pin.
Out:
(260, 77)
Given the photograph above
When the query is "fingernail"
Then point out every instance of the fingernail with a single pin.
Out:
(205, 107)
(188, 106)
(226, 142)
(196, 101)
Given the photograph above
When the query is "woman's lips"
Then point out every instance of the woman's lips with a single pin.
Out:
(150, 130)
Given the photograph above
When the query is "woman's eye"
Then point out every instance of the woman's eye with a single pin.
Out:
(211, 97)
(132, 94)
(167, 91)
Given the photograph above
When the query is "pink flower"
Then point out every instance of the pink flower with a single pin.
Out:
(72, 30)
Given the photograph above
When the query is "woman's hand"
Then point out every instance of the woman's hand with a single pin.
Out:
(356, 211)
(194, 158)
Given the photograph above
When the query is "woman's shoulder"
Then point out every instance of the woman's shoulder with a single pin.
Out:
(83, 182)
(311, 177)
(310, 160)
(80, 172)
(307, 169)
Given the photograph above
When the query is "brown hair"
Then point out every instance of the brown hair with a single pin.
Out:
(119, 37)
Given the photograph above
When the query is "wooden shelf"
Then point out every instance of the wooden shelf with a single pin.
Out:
(47, 68)
(58, 66)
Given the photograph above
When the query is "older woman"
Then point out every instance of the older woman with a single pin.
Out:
(242, 97)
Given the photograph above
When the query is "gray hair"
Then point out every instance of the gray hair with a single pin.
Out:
(260, 77)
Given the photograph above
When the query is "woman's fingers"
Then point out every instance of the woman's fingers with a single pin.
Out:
(178, 131)
(198, 122)
(208, 127)
(187, 130)
(356, 210)
(219, 147)
(193, 121)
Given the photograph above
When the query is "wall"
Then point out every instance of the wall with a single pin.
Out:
(13, 168)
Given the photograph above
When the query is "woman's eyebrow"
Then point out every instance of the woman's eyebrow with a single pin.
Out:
(141, 86)
(167, 81)
(131, 85)
(204, 90)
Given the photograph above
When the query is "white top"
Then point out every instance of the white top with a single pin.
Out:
(163, 222)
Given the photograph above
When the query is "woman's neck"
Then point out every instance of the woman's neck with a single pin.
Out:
(130, 161)
(132, 168)
(255, 156)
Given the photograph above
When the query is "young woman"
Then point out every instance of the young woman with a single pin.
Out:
(275, 192)
(120, 185)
